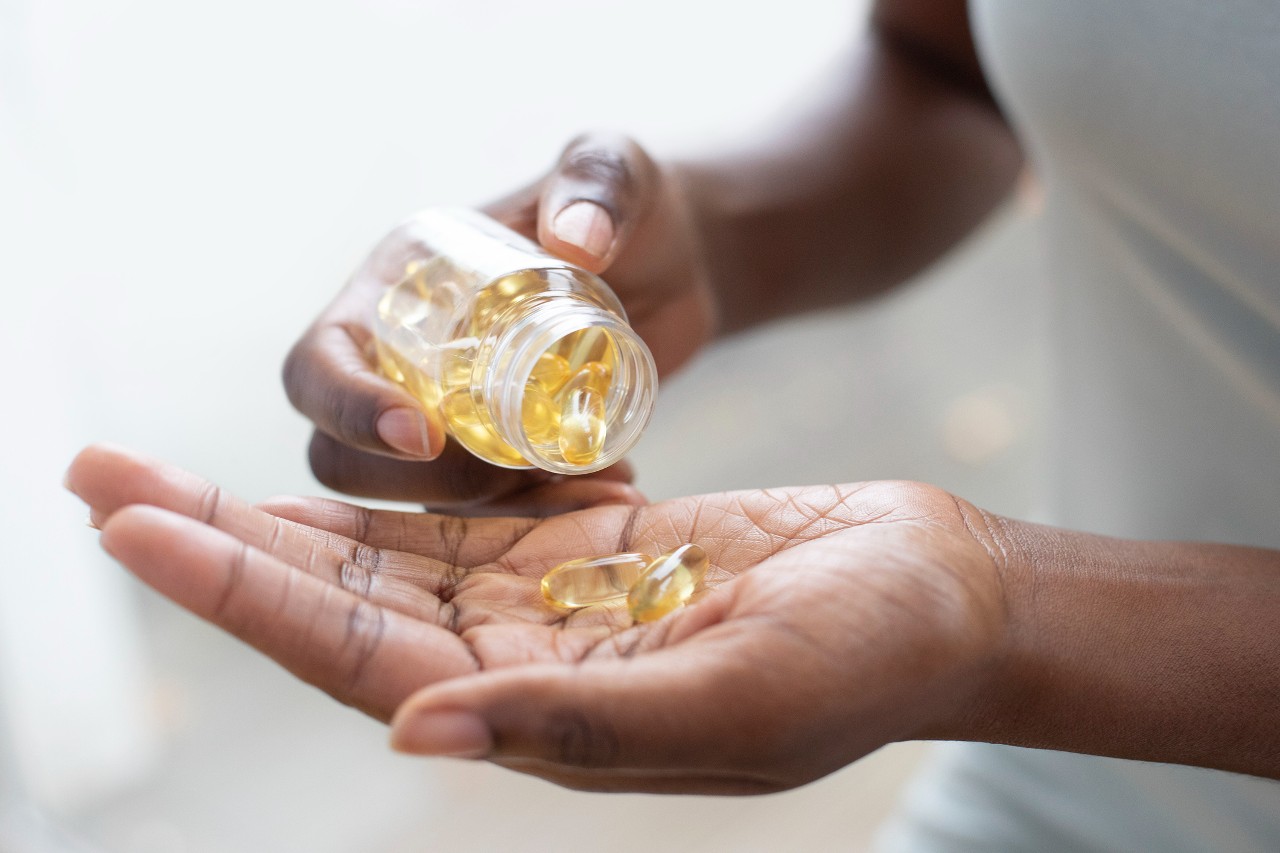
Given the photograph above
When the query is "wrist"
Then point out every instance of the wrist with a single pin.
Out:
(1156, 651)
(975, 694)
(959, 596)
(1072, 612)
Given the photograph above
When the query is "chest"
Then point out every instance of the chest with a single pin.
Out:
(1170, 102)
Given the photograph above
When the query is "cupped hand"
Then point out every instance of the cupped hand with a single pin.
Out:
(606, 206)
(835, 619)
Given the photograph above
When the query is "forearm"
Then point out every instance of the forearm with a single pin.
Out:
(1161, 651)
(903, 154)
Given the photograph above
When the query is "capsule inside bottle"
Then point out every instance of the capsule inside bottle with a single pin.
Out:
(552, 371)
(485, 312)
(593, 580)
(501, 295)
(582, 426)
(595, 375)
(540, 415)
(465, 424)
(667, 583)
(582, 415)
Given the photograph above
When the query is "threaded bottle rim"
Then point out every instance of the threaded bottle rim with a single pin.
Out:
(540, 322)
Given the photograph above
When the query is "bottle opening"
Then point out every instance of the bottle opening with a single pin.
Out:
(575, 388)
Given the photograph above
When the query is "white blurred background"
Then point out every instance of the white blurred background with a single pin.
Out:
(183, 186)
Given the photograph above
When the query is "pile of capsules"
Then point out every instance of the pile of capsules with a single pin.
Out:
(564, 399)
(653, 587)
(567, 406)
(562, 408)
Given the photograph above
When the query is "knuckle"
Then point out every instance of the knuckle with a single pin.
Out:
(355, 578)
(350, 416)
(603, 140)
(208, 502)
(575, 740)
(223, 608)
(367, 556)
(366, 624)
(363, 524)
(605, 166)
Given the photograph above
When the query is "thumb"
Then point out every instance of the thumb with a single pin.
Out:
(665, 710)
(592, 200)
(561, 496)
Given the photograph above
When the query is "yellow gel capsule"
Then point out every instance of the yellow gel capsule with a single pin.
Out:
(586, 346)
(388, 362)
(501, 295)
(582, 413)
(592, 580)
(539, 414)
(667, 583)
(551, 371)
(595, 375)
(582, 426)
(456, 360)
(396, 367)
(467, 427)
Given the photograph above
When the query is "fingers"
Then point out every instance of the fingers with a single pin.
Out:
(454, 479)
(584, 211)
(110, 478)
(608, 714)
(329, 377)
(612, 209)
(561, 496)
(593, 199)
(474, 544)
(704, 708)
(462, 484)
(459, 541)
(361, 654)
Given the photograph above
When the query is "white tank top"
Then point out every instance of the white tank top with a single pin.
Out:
(1155, 128)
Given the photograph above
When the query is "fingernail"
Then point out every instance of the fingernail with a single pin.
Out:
(405, 430)
(95, 519)
(457, 734)
(586, 225)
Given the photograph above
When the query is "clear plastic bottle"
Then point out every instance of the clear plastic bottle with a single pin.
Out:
(528, 358)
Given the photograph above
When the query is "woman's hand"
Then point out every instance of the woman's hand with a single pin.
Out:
(605, 206)
(835, 619)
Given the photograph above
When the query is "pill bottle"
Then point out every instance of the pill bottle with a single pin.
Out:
(528, 358)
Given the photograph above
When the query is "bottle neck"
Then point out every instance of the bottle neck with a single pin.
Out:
(534, 326)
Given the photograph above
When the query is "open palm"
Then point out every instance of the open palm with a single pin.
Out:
(835, 619)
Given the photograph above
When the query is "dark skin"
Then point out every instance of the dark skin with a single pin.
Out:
(371, 605)
(837, 618)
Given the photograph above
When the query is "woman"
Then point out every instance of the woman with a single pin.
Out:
(873, 612)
